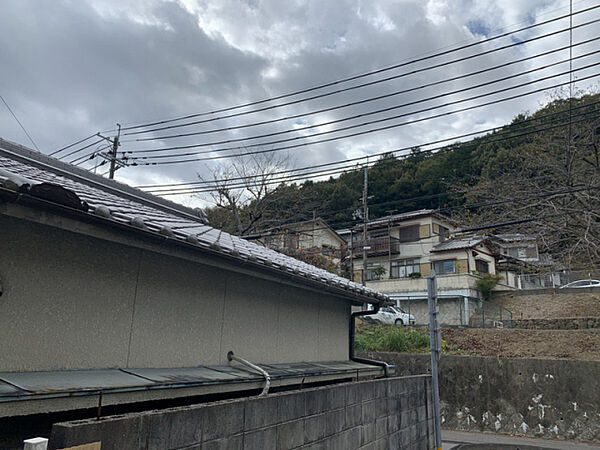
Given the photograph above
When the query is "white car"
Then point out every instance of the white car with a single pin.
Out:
(582, 284)
(391, 315)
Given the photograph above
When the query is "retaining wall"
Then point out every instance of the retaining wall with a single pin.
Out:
(532, 397)
(376, 414)
(575, 323)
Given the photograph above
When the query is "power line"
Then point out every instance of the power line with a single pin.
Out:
(19, 122)
(360, 133)
(358, 116)
(329, 172)
(360, 158)
(355, 77)
(80, 149)
(506, 131)
(71, 145)
(370, 99)
(387, 203)
(261, 233)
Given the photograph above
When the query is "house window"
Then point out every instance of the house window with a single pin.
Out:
(443, 232)
(374, 271)
(482, 266)
(409, 234)
(404, 267)
(327, 250)
(443, 267)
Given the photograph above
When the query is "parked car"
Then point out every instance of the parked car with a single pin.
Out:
(582, 284)
(391, 315)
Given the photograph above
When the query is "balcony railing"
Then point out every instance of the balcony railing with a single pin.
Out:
(377, 246)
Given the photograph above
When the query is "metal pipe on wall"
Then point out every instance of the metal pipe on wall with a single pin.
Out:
(353, 316)
(264, 373)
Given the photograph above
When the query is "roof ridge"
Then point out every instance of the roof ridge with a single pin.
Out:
(81, 175)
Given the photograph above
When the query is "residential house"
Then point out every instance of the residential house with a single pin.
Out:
(308, 238)
(520, 246)
(520, 263)
(105, 288)
(403, 249)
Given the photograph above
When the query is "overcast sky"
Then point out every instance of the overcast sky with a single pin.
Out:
(71, 68)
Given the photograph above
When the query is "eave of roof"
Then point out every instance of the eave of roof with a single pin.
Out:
(460, 243)
(403, 217)
(197, 235)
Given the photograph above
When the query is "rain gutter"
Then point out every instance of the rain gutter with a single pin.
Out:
(353, 316)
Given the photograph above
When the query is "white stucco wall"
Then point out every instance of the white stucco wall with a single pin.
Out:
(71, 301)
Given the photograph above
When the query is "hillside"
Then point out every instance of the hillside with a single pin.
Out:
(475, 182)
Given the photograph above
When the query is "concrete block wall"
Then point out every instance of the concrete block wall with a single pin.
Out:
(381, 414)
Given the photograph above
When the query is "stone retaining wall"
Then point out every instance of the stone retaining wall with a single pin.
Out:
(531, 397)
(575, 323)
(376, 414)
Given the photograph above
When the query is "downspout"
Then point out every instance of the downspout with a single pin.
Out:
(375, 310)
(264, 373)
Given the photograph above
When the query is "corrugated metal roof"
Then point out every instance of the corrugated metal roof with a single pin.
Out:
(24, 385)
(459, 243)
(115, 202)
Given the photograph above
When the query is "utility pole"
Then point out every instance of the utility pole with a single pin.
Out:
(113, 153)
(435, 343)
(365, 221)
(111, 156)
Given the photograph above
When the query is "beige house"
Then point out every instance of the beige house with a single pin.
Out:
(312, 237)
(403, 249)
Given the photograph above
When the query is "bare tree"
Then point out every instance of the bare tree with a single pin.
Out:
(554, 179)
(243, 188)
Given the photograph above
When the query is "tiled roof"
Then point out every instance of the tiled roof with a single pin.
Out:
(110, 201)
(407, 216)
(459, 243)
(403, 216)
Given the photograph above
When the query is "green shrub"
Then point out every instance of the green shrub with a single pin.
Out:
(487, 283)
(378, 272)
(392, 339)
(414, 275)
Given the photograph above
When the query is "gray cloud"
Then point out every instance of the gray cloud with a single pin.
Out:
(71, 68)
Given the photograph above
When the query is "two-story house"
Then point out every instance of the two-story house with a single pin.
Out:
(402, 250)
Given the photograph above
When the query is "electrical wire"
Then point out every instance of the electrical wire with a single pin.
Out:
(375, 72)
(19, 122)
(370, 99)
(330, 172)
(360, 158)
(360, 133)
(263, 232)
(71, 145)
(358, 116)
